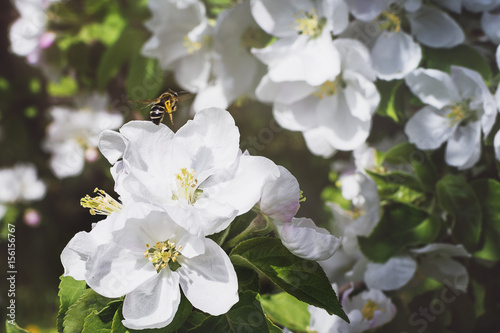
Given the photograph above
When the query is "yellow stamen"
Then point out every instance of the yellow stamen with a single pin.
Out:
(369, 309)
(309, 24)
(187, 186)
(389, 21)
(162, 254)
(329, 88)
(102, 204)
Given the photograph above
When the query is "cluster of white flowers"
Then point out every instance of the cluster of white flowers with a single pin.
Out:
(73, 135)
(19, 184)
(176, 189)
(322, 64)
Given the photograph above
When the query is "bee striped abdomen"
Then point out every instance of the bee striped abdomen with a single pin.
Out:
(156, 113)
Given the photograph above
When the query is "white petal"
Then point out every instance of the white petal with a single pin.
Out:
(321, 321)
(464, 147)
(209, 280)
(355, 56)
(498, 62)
(253, 172)
(496, 145)
(391, 275)
(366, 10)
(154, 303)
(361, 95)
(114, 271)
(277, 17)
(303, 238)
(444, 269)
(280, 197)
(212, 95)
(427, 20)
(452, 250)
(208, 143)
(317, 142)
(433, 87)
(68, 159)
(193, 70)
(491, 25)
(412, 5)
(298, 116)
(337, 15)
(427, 129)
(112, 145)
(287, 92)
(451, 5)
(394, 55)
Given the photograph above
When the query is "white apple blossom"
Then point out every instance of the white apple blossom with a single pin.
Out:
(303, 49)
(458, 107)
(198, 174)
(28, 34)
(73, 134)
(496, 141)
(435, 261)
(279, 202)
(335, 114)
(394, 52)
(20, 184)
(368, 310)
(141, 253)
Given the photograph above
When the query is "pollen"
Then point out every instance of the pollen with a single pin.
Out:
(193, 46)
(309, 24)
(187, 186)
(369, 309)
(102, 204)
(389, 21)
(329, 88)
(162, 254)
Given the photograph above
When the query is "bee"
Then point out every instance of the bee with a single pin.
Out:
(166, 103)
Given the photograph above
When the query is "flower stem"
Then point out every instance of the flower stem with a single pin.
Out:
(260, 224)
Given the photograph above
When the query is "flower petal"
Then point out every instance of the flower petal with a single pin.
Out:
(112, 145)
(394, 55)
(317, 142)
(280, 196)
(433, 87)
(298, 116)
(303, 238)
(287, 92)
(464, 147)
(428, 130)
(452, 250)
(391, 275)
(447, 270)
(496, 145)
(361, 95)
(67, 159)
(491, 25)
(427, 20)
(366, 10)
(154, 303)
(209, 280)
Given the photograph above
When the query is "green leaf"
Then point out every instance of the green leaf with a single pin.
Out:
(93, 324)
(391, 100)
(195, 319)
(488, 195)
(66, 87)
(244, 316)
(13, 328)
(301, 278)
(287, 311)
(462, 55)
(123, 49)
(457, 198)
(272, 328)
(334, 194)
(145, 78)
(69, 292)
(402, 153)
(401, 226)
(248, 279)
(183, 312)
(390, 182)
(88, 302)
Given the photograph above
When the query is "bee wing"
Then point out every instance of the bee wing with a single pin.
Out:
(142, 104)
(184, 96)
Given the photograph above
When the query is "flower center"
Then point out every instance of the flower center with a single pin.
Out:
(309, 24)
(102, 204)
(328, 88)
(187, 186)
(163, 254)
(389, 21)
(193, 46)
(254, 37)
(369, 309)
(459, 113)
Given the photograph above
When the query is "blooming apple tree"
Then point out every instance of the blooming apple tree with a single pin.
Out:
(395, 102)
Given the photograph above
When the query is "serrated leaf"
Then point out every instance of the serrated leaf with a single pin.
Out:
(287, 311)
(400, 226)
(488, 195)
(402, 153)
(184, 310)
(93, 324)
(248, 279)
(195, 319)
(69, 292)
(244, 316)
(301, 278)
(462, 55)
(88, 302)
(457, 198)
